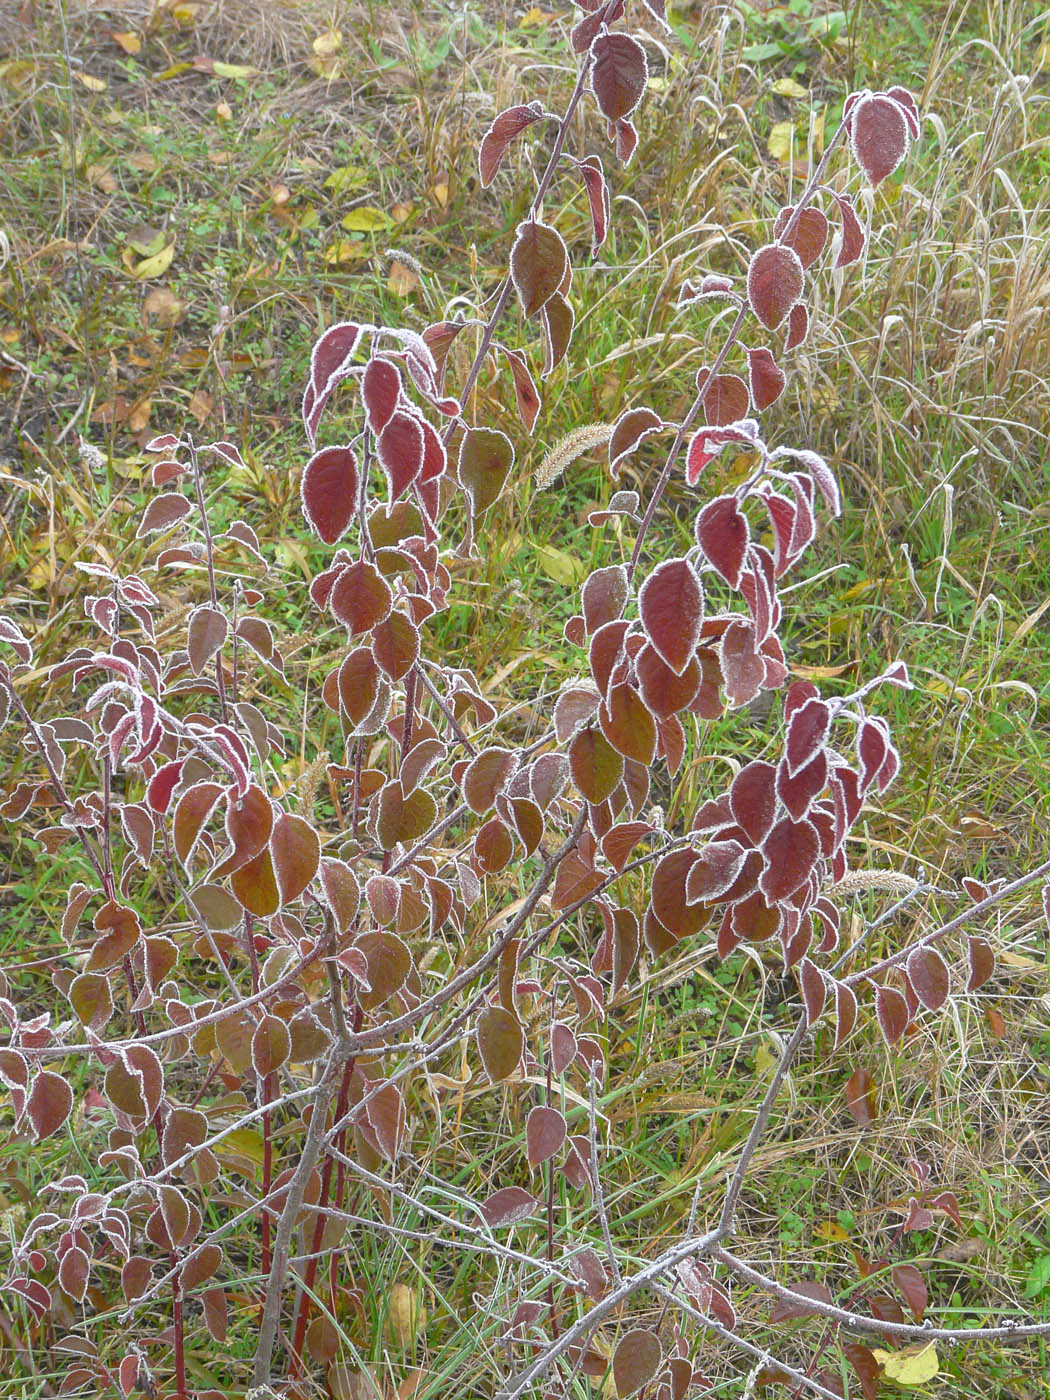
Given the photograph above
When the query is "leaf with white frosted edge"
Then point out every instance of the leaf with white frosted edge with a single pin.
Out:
(774, 283)
(631, 429)
(808, 236)
(508, 1206)
(598, 197)
(798, 326)
(880, 135)
(814, 989)
(823, 477)
(380, 392)
(766, 378)
(671, 607)
(726, 397)
(851, 237)
(619, 74)
(538, 263)
(163, 512)
(525, 393)
(723, 533)
(328, 490)
(400, 449)
(501, 132)
(558, 320)
(928, 974)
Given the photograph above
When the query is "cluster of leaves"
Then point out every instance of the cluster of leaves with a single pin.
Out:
(332, 947)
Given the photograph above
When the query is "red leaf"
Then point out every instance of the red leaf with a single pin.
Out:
(628, 725)
(851, 235)
(619, 75)
(814, 990)
(912, 1286)
(507, 1206)
(49, 1104)
(538, 264)
(598, 197)
(636, 1360)
(891, 1011)
(603, 596)
(928, 974)
(664, 692)
(879, 135)
(807, 732)
(400, 449)
(329, 491)
(163, 512)
(671, 606)
(723, 533)
(860, 1098)
(632, 427)
(500, 134)
(982, 962)
(798, 325)
(809, 235)
(670, 904)
(726, 399)
(596, 766)
(715, 870)
(544, 1134)
(360, 598)
(380, 392)
(162, 785)
(558, 319)
(752, 799)
(528, 400)
(774, 283)
(845, 1012)
(791, 850)
(766, 377)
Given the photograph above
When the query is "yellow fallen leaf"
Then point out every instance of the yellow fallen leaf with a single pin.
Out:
(346, 177)
(563, 568)
(175, 71)
(328, 43)
(200, 404)
(343, 250)
(787, 87)
(366, 220)
(440, 193)
(92, 84)
(912, 1366)
(128, 41)
(145, 240)
(535, 19)
(185, 14)
(400, 212)
(781, 140)
(233, 70)
(765, 1061)
(831, 1231)
(280, 194)
(223, 112)
(145, 269)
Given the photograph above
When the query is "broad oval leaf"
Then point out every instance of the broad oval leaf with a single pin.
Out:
(538, 264)
(545, 1132)
(507, 1206)
(295, 849)
(671, 605)
(500, 1041)
(619, 75)
(774, 283)
(329, 490)
(879, 135)
(928, 975)
(636, 1360)
(486, 457)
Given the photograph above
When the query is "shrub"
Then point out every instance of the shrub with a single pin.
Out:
(295, 978)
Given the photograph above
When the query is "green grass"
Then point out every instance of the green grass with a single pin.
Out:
(932, 367)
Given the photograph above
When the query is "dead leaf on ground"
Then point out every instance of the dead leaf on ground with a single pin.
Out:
(201, 405)
(161, 307)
